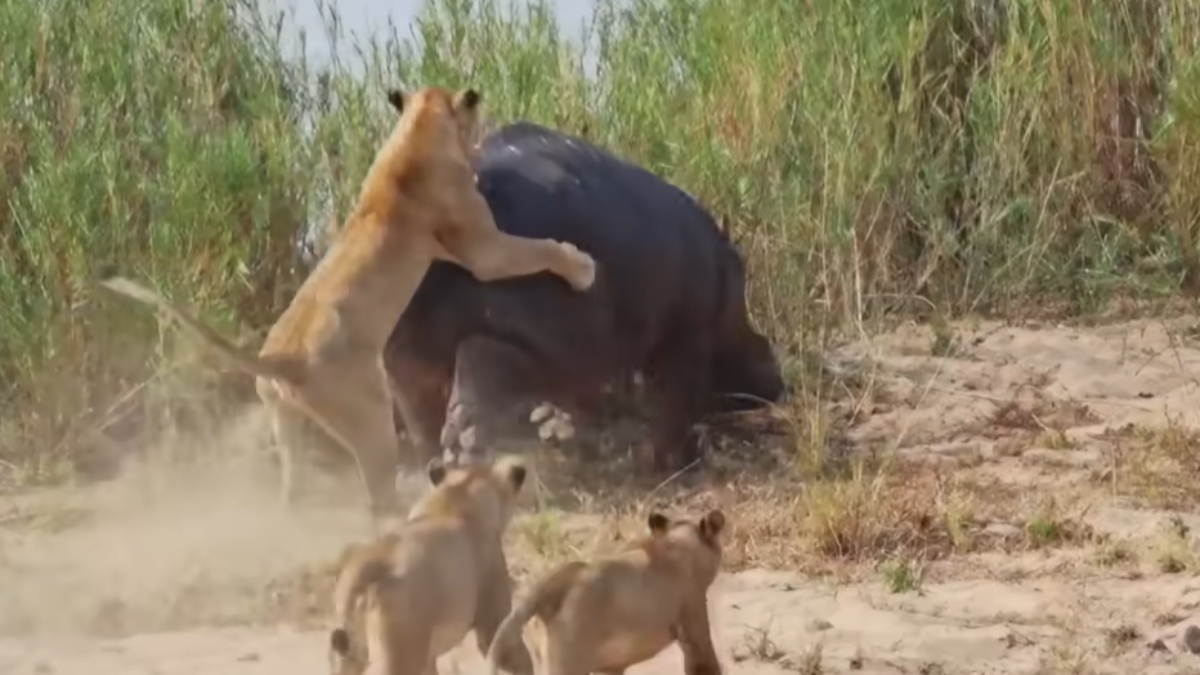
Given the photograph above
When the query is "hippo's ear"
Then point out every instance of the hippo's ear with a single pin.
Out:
(436, 469)
(657, 523)
(712, 524)
(397, 98)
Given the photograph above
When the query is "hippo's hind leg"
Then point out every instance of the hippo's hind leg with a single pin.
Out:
(678, 387)
(493, 381)
(420, 392)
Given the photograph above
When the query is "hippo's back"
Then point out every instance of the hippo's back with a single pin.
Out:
(657, 247)
(657, 250)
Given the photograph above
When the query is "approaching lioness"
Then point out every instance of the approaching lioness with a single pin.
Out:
(439, 575)
(607, 615)
(323, 356)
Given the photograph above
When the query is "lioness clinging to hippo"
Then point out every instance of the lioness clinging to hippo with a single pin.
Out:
(668, 301)
(320, 362)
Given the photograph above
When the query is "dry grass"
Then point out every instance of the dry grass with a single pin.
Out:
(891, 515)
(1158, 467)
(802, 498)
(1175, 549)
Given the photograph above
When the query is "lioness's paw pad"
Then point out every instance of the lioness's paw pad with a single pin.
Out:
(541, 413)
(583, 274)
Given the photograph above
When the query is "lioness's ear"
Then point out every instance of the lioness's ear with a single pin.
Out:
(467, 99)
(397, 98)
(516, 476)
(339, 641)
(712, 524)
(436, 470)
(658, 523)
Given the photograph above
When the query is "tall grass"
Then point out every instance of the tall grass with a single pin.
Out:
(982, 155)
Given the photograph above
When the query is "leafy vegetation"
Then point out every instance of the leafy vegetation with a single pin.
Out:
(871, 158)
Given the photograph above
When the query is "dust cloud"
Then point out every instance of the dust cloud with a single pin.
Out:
(176, 542)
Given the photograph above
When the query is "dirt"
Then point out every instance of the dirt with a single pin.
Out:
(1065, 457)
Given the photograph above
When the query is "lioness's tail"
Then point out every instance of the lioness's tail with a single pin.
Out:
(543, 600)
(363, 566)
(284, 369)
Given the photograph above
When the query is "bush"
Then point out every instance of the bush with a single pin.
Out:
(980, 154)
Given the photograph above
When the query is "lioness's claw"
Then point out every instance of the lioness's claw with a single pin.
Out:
(554, 423)
(541, 413)
(564, 430)
(466, 439)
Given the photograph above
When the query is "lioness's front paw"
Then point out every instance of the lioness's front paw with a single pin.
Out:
(583, 267)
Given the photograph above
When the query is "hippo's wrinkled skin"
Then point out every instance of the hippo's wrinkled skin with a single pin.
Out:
(668, 302)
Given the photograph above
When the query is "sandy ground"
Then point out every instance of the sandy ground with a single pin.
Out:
(1035, 515)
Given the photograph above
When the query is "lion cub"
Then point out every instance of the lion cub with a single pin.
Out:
(439, 574)
(607, 615)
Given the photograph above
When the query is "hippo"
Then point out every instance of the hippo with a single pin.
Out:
(469, 357)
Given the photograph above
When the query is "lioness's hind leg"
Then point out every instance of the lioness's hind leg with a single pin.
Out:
(565, 659)
(292, 439)
(365, 427)
(495, 602)
(491, 255)
(694, 634)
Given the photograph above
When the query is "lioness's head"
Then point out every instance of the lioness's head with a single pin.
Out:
(483, 493)
(460, 107)
(702, 539)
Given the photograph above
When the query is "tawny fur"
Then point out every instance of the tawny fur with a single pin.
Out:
(322, 359)
(615, 612)
(441, 574)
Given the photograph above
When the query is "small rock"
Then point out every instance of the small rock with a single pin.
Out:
(1081, 458)
(1158, 646)
(818, 625)
(109, 618)
(1191, 639)
(1002, 530)
(1014, 640)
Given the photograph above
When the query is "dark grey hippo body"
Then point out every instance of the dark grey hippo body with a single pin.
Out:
(668, 302)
